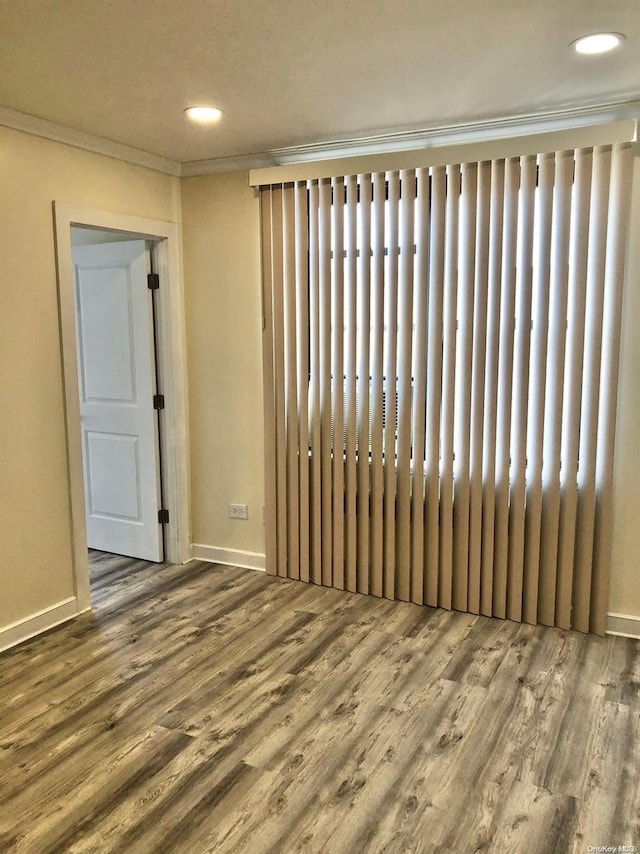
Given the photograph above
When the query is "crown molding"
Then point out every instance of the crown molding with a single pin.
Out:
(35, 126)
(396, 141)
(477, 131)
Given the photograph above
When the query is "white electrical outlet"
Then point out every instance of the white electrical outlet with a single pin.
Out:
(238, 511)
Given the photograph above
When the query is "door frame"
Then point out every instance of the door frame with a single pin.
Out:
(172, 374)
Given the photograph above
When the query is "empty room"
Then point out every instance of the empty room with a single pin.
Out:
(320, 368)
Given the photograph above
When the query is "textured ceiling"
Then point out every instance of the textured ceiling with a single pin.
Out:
(288, 72)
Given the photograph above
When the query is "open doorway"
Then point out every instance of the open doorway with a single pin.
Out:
(123, 353)
(121, 400)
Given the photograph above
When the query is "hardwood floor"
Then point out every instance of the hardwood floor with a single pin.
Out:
(206, 708)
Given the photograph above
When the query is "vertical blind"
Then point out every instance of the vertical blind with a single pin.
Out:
(441, 353)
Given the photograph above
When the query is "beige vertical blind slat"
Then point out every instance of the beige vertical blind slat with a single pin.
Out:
(337, 372)
(390, 357)
(435, 265)
(521, 389)
(585, 520)
(544, 276)
(464, 354)
(377, 383)
(554, 394)
(324, 252)
(291, 390)
(302, 370)
(617, 225)
(270, 513)
(496, 224)
(364, 335)
(419, 374)
(479, 355)
(279, 375)
(315, 424)
(445, 593)
(351, 489)
(505, 385)
(405, 336)
(570, 432)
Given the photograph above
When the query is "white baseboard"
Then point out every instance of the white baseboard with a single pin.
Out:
(37, 623)
(625, 625)
(229, 557)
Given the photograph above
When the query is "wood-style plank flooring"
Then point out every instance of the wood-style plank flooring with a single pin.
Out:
(205, 708)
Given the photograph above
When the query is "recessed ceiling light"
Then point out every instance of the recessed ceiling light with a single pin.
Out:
(204, 115)
(597, 42)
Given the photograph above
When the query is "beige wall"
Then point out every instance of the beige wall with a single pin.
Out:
(221, 246)
(35, 540)
(222, 281)
(624, 595)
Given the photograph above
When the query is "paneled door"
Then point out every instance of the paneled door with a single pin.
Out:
(117, 380)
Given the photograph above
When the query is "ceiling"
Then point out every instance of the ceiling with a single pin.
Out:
(294, 72)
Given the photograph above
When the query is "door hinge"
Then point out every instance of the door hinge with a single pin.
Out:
(158, 401)
(153, 281)
(163, 517)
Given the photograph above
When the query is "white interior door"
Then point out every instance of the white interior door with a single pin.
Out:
(116, 365)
